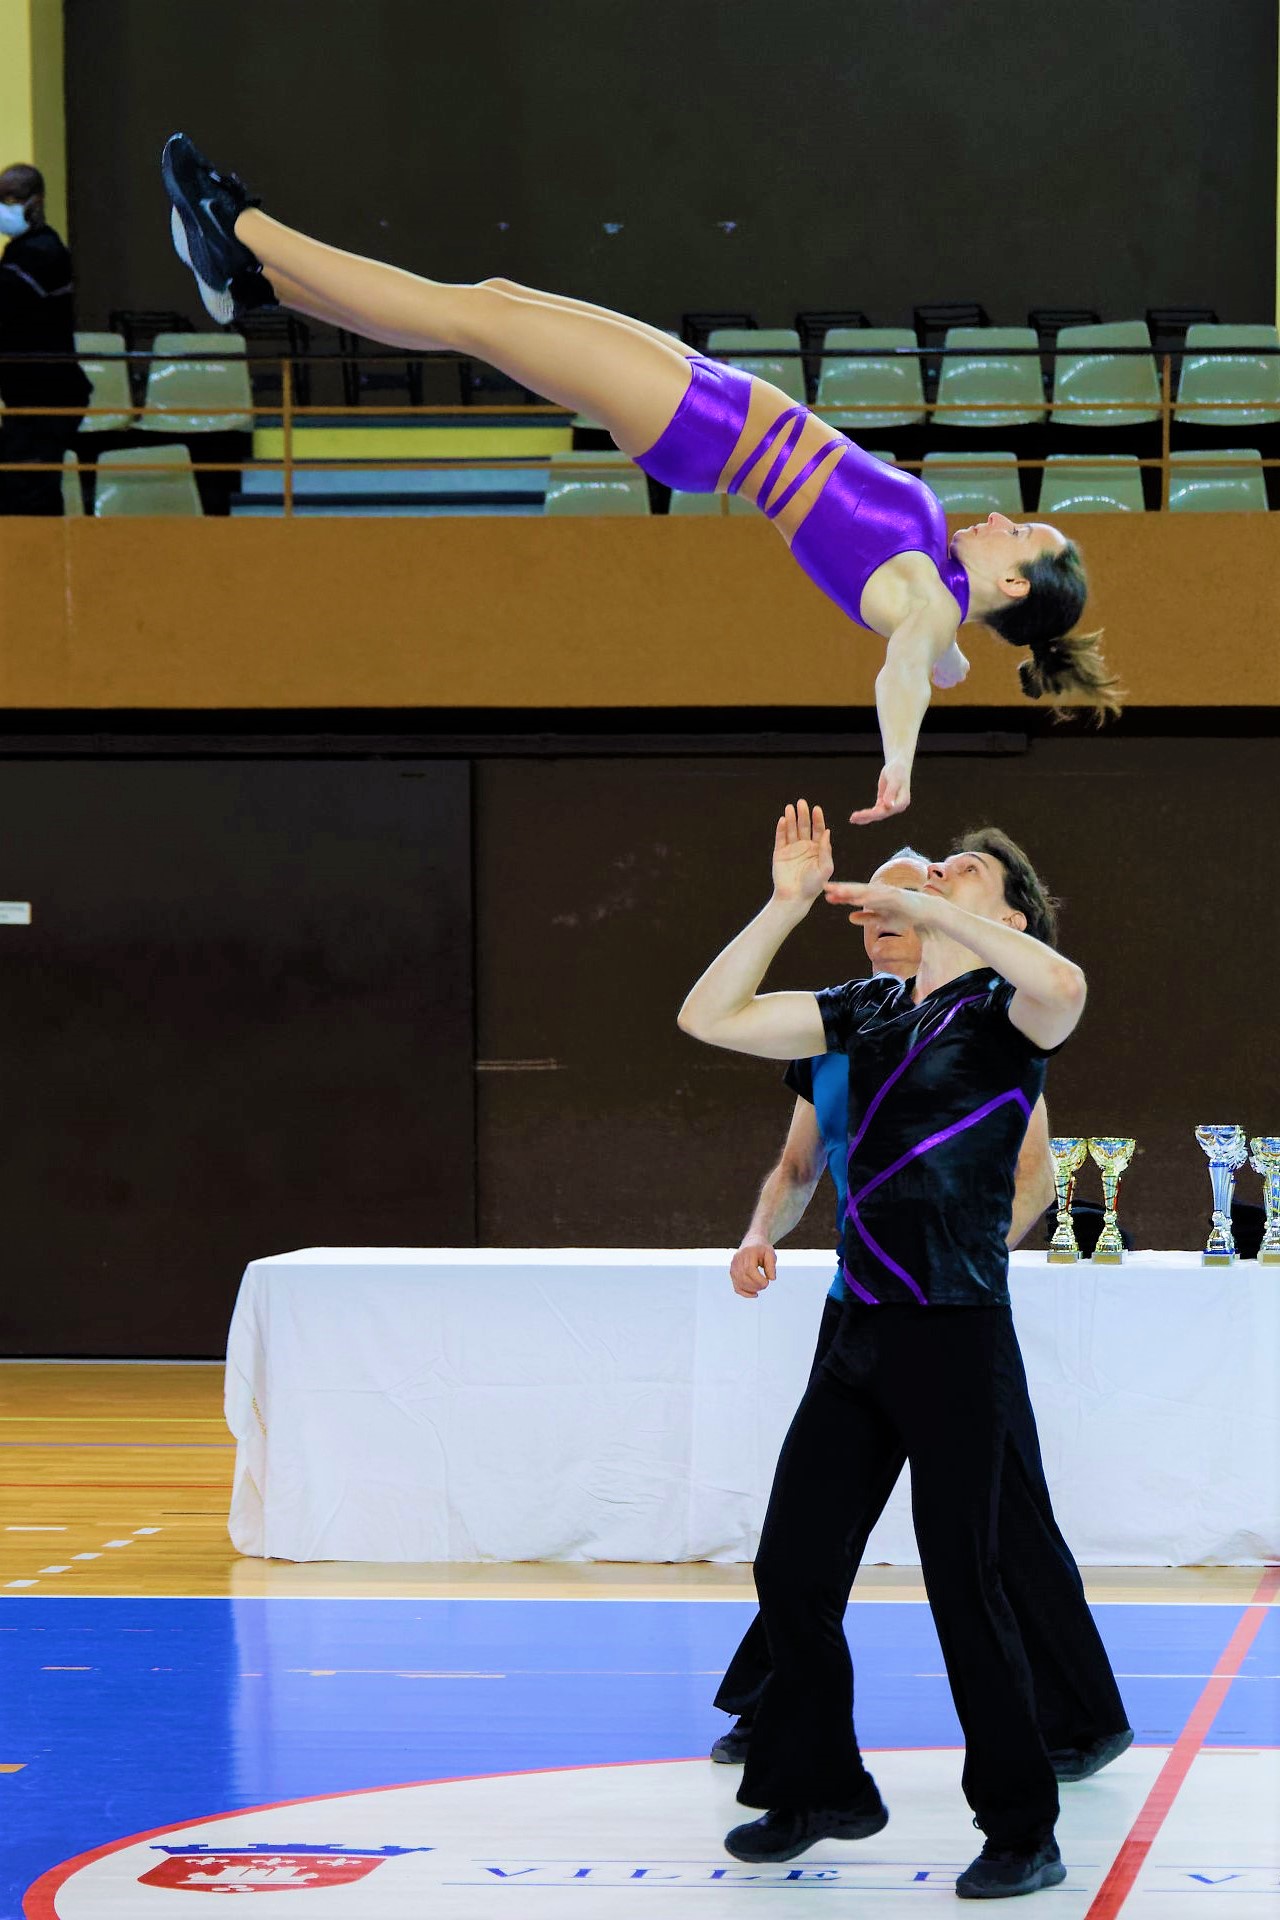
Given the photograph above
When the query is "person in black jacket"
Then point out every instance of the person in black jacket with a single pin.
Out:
(36, 318)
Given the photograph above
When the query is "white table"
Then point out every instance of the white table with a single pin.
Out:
(402, 1404)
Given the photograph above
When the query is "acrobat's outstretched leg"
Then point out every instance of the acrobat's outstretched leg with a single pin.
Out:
(628, 376)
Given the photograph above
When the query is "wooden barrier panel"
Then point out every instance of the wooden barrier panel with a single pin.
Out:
(493, 612)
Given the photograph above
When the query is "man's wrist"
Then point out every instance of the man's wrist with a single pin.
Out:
(787, 911)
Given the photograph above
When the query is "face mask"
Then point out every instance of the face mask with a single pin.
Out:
(13, 220)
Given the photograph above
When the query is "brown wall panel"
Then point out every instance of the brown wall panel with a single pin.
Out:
(604, 888)
(239, 1022)
(487, 612)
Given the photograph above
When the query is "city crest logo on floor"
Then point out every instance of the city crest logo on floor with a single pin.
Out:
(195, 1867)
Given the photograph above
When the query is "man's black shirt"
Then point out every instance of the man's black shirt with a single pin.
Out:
(37, 316)
(939, 1098)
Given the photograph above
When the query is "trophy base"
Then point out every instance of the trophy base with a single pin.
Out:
(1107, 1259)
(1269, 1259)
(1218, 1259)
(1069, 1259)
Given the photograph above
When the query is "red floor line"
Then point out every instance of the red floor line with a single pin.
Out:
(1128, 1863)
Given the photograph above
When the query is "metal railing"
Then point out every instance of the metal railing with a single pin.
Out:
(291, 418)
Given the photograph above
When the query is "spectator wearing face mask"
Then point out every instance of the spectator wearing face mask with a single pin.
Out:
(36, 318)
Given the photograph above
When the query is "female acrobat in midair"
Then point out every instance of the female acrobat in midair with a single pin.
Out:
(871, 536)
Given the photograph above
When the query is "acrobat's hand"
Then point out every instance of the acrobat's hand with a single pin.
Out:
(802, 859)
(895, 908)
(893, 795)
(951, 669)
(753, 1266)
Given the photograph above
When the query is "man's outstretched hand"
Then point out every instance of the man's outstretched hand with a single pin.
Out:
(892, 796)
(802, 858)
(896, 908)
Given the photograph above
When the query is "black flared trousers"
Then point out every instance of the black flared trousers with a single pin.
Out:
(943, 1388)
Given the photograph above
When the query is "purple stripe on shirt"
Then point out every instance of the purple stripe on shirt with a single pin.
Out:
(924, 1146)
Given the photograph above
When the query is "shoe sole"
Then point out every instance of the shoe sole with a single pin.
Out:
(727, 1759)
(1109, 1753)
(220, 306)
(1050, 1876)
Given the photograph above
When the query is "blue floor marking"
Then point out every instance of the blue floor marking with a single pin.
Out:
(166, 1725)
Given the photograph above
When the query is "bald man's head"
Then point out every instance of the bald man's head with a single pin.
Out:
(887, 951)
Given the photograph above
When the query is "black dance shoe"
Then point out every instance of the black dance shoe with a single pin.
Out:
(206, 205)
(730, 1750)
(1000, 1872)
(781, 1836)
(1077, 1763)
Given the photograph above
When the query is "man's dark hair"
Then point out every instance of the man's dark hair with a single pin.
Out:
(1024, 890)
(23, 179)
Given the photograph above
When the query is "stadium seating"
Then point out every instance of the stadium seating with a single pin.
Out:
(889, 384)
(771, 353)
(1109, 483)
(976, 483)
(620, 488)
(109, 379)
(121, 489)
(1198, 485)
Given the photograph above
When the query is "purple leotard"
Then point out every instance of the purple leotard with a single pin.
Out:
(866, 512)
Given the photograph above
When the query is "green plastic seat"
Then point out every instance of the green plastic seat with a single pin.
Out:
(72, 496)
(688, 505)
(1109, 483)
(989, 378)
(122, 490)
(974, 482)
(610, 484)
(185, 375)
(771, 353)
(1198, 485)
(889, 386)
(1211, 377)
(109, 380)
(1099, 382)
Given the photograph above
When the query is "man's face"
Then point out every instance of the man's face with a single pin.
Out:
(891, 952)
(974, 881)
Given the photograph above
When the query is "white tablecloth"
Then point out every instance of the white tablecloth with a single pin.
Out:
(614, 1404)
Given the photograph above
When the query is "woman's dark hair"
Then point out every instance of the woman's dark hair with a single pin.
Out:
(1061, 662)
(1024, 890)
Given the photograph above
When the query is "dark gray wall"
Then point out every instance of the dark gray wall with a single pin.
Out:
(240, 1022)
(604, 889)
(247, 1014)
(828, 153)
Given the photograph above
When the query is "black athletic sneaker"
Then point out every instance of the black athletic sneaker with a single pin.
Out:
(782, 1835)
(1000, 1872)
(1077, 1763)
(730, 1750)
(206, 205)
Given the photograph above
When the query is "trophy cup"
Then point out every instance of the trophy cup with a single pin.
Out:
(1265, 1159)
(1227, 1152)
(1111, 1156)
(1068, 1157)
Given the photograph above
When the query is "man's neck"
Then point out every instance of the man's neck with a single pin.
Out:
(941, 960)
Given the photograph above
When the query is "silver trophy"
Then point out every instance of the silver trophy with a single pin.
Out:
(1227, 1152)
(1265, 1159)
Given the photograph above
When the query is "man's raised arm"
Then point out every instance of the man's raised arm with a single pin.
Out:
(724, 1008)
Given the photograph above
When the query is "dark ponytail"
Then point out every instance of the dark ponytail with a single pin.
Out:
(1062, 664)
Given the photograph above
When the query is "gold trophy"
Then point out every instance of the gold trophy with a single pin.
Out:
(1265, 1159)
(1111, 1156)
(1227, 1153)
(1069, 1156)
